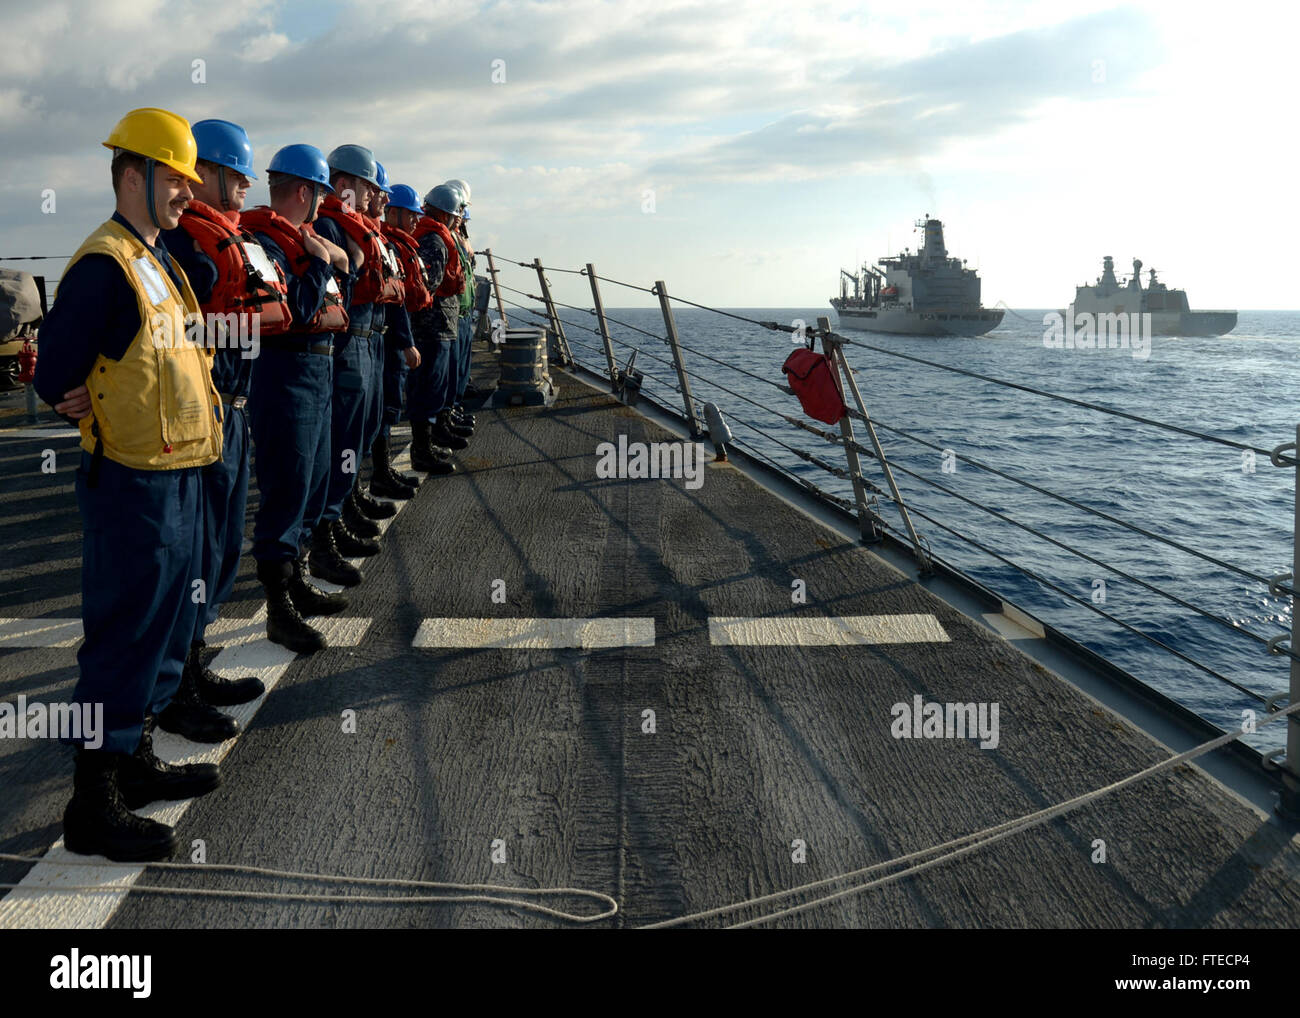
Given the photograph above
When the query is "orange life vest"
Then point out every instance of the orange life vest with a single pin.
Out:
(418, 295)
(239, 288)
(453, 277)
(332, 316)
(370, 284)
(394, 288)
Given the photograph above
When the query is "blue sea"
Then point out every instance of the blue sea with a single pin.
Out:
(1209, 497)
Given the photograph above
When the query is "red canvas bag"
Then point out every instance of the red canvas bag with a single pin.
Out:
(813, 381)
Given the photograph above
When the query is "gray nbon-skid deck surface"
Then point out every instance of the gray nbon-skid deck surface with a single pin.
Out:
(544, 753)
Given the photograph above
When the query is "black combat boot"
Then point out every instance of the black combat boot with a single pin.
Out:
(142, 778)
(453, 427)
(325, 562)
(440, 434)
(423, 456)
(307, 597)
(97, 822)
(369, 506)
(358, 522)
(218, 691)
(410, 480)
(463, 417)
(351, 545)
(189, 716)
(384, 481)
(283, 623)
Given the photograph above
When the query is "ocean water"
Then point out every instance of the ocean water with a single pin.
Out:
(1209, 497)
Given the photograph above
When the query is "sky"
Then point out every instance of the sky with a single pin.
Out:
(743, 152)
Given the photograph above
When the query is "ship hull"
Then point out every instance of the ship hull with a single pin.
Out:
(920, 323)
(1199, 323)
(1177, 323)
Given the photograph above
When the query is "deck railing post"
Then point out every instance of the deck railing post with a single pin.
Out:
(833, 345)
(670, 325)
(496, 288)
(557, 328)
(604, 328)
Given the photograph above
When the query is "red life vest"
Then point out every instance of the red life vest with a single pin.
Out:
(453, 277)
(365, 234)
(418, 295)
(332, 316)
(239, 288)
(394, 289)
(817, 385)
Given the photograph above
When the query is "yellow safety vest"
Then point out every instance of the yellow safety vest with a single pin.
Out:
(156, 408)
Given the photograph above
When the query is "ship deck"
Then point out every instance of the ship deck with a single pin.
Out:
(542, 750)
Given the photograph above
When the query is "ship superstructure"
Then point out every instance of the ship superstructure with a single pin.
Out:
(1170, 313)
(925, 293)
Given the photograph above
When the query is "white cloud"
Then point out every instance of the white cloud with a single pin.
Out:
(261, 48)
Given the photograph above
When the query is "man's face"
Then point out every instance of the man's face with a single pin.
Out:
(171, 193)
(237, 186)
(353, 192)
(209, 191)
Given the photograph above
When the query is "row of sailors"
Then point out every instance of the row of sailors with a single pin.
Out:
(362, 295)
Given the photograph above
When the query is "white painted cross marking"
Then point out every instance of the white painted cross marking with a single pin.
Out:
(847, 630)
(535, 634)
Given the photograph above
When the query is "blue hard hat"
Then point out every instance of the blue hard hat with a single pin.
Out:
(305, 161)
(381, 178)
(445, 199)
(355, 160)
(404, 197)
(226, 144)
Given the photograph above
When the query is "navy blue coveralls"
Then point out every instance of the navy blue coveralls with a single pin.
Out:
(428, 386)
(142, 545)
(354, 388)
(397, 340)
(225, 482)
(289, 410)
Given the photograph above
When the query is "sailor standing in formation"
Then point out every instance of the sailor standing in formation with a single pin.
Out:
(187, 327)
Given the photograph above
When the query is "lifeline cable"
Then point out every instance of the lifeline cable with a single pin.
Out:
(972, 842)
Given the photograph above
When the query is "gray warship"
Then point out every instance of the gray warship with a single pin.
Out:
(921, 294)
(1169, 310)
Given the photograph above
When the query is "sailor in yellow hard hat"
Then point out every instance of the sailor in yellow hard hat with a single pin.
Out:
(119, 363)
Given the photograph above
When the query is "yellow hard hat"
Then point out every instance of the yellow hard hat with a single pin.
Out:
(158, 134)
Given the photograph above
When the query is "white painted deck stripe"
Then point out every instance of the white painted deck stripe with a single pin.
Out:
(36, 903)
(53, 434)
(847, 630)
(535, 634)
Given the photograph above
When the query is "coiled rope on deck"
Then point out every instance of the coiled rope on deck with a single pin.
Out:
(495, 900)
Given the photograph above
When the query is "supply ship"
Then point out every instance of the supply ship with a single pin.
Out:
(921, 294)
(1170, 313)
